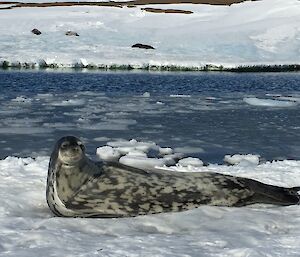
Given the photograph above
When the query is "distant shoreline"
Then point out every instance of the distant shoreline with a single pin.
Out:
(171, 68)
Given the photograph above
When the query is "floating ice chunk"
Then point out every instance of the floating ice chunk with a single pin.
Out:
(69, 102)
(125, 149)
(190, 161)
(175, 156)
(290, 98)
(136, 153)
(22, 99)
(142, 162)
(180, 96)
(107, 153)
(242, 159)
(165, 150)
(268, 102)
(146, 94)
(127, 146)
(171, 159)
(210, 98)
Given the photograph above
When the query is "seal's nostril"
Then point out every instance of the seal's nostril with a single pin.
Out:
(75, 149)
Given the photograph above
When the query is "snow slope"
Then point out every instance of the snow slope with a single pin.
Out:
(260, 32)
(29, 229)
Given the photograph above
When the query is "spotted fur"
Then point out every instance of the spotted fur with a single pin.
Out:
(84, 188)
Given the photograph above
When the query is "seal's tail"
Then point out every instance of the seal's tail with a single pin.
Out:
(279, 195)
(276, 195)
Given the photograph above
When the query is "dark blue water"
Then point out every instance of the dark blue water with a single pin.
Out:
(155, 82)
(39, 107)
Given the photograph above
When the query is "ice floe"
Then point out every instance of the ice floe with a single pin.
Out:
(269, 102)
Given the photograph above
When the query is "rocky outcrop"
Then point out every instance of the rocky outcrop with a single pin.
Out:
(72, 33)
(36, 32)
(138, 45)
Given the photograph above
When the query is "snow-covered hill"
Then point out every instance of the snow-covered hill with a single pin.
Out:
(259, 32)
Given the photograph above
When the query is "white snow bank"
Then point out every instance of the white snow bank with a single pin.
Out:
(269, 102)
(251, 33)
(29, 229)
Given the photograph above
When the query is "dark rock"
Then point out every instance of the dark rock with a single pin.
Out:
(36, 32)
(142, 46)
(72, 33)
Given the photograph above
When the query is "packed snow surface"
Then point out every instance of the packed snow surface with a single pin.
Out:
(252, 32)
(29, 229)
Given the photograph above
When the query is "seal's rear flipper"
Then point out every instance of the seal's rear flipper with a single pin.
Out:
(269, 194)
(279, 195)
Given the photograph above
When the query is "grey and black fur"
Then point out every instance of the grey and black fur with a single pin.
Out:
(79, 187)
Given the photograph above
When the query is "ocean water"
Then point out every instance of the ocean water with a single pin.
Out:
(204, 115)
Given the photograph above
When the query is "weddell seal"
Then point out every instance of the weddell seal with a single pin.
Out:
(80, 187)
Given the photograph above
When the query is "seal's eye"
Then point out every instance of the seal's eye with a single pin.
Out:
(65, 144)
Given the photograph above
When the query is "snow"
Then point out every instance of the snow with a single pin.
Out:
(250, 33)
(29, 229)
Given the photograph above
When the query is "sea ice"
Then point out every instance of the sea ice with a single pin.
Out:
(269, 102)
(107, 153)
(28, 228)
(189, 161)
(142, 162)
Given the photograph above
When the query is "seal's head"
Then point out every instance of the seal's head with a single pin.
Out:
(70, 150)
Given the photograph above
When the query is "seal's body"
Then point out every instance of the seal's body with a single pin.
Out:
(79, 187)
